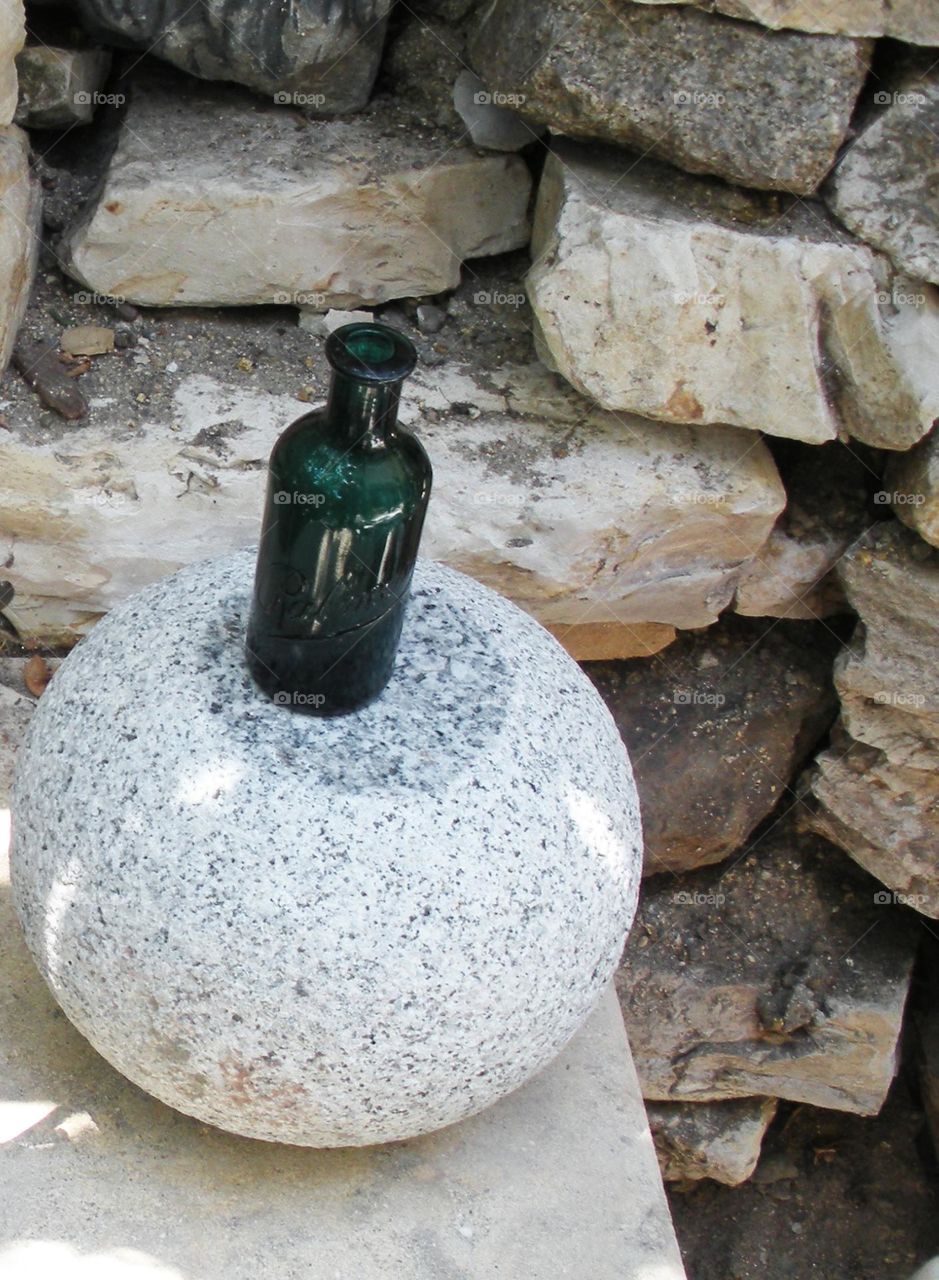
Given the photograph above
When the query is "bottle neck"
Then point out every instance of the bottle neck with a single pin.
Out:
(363, 413)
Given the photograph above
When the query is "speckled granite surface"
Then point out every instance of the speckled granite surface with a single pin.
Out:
(324, 932)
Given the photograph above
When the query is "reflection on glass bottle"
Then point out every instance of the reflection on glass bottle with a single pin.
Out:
(346, 499)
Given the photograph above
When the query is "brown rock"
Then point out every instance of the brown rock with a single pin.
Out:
(36, 675)
(716, 728)
(609, 641)
(719, 1140)
(782, 975)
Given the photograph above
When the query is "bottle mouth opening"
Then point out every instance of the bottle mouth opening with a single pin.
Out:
(371, 352)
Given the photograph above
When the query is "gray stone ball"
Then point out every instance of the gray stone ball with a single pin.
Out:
(329, 932)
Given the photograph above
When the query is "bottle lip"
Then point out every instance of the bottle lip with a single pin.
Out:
(371, 352)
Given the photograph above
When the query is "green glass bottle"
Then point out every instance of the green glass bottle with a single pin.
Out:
(346, 498)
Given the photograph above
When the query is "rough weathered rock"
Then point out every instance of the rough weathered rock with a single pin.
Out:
(704, 92)
(779, 976)
(886, 679)
(321, 55)
(911, 486)
(213, 199)
(684, 299)
(884, 814)
(59, 87)
(916, 21)
(581, 517)
(794, 576)
(876, 788)
(716, 728)
(12, 35)
(719, 1140)
(20, 214)
(885, 188)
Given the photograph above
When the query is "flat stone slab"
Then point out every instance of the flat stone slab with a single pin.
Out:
(591, 521)
(100, 1180)
(214, 198)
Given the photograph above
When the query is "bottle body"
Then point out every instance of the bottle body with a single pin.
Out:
(346, 499)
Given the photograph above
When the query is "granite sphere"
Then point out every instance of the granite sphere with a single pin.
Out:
(329, 932)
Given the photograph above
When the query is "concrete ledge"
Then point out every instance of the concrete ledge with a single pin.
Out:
(101, 1182)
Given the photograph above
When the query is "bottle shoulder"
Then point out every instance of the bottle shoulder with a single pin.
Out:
(338, 484)
(304, 431)
(312, 441)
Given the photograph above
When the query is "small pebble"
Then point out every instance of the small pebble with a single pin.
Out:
(430, 319)
(394, 317)
(87, 340)
(76, 1126)
(36, 675)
